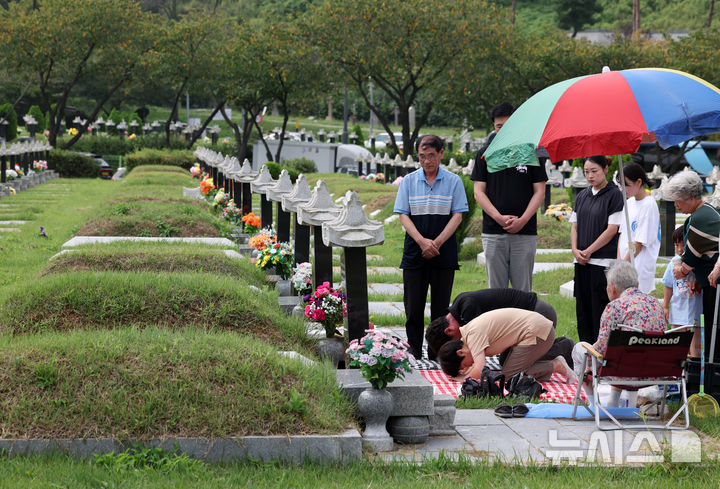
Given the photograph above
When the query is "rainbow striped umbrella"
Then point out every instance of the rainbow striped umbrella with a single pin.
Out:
(609, 113)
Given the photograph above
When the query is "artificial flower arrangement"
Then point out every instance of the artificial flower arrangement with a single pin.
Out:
(326, 306)
(206, 186)
(231, 212)
(263, 239)
(381, 358)
(39, 165)
(252, 223)
(19, 170)
(195, 170)
(11, 174)
(561, 212)
(72, 131)
(277, 255)
(221, 199)
(302, 278)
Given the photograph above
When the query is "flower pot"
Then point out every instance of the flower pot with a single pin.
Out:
(332, 349)
(375, 406)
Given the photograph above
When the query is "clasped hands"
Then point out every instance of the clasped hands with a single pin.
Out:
(511, 224)
(582, 256)
(429, 248)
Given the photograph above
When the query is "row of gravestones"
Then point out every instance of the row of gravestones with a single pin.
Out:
(312, 213)
(23, 155)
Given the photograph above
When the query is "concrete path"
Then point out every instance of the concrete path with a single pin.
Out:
(483, 436)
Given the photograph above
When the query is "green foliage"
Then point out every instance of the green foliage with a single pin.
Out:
(361, 137)
(302, 165)
(144, 458)
(104, 144)
(35, 111)
(8, 113)
(183, 159)
(71, 164)
(576, 15)
(273, 168)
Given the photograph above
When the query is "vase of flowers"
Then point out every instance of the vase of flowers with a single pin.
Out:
(381, 359)
(231, 212)
(252, 223)
(327, 306)
(278, 256)
(302, 278)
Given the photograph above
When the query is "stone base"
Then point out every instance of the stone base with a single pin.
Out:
(442, 422)
(288, 303)
(568, 289)
(409, 429)
(378, 444)
(412, 396)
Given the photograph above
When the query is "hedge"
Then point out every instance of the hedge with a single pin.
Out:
(148, 156)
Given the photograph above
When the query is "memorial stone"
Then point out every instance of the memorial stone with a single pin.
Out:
(320, 208)
(275, 193)
(259, 186)
(299, 195)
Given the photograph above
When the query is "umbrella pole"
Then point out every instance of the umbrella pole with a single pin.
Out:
(631, 245)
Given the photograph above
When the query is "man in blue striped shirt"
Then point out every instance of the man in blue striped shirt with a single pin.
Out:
(430, 202)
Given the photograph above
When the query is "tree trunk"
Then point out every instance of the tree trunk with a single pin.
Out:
(710, 14)
(513, 11)
(636, 18)
(195, 137)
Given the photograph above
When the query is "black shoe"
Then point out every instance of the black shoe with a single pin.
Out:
(504, 411)
(519, 411)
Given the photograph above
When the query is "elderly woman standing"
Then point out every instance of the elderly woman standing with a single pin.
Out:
(628, 306)
(701, 230)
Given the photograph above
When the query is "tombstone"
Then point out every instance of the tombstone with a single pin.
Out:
(110, 126)
(354, 232)
(449, 143)
(300, 194)
(259, 186)
(275, 193)
(321, 135)
(133, 126)
(320, 208)
(565, 169)
(3, 163)
(577, 182)
(233, 169)
(372, 141)
(554, 178)
(359, 161)
(332, 136)
(245, 176)
(667, 218)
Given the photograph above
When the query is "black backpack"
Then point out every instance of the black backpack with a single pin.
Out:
(521, 385)
(490, 383)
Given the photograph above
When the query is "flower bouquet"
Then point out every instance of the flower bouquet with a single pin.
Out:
(302, 278)
(561, 212)
(221, 199)
(278, 255)
(206, 187)
(252, 223)
(327, 306)
(381, 358)
(231, 212)
(195, 170)
(19, 170)
(262, 239)
(39, 165)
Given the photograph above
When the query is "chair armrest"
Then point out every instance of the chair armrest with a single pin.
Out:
(593, 352)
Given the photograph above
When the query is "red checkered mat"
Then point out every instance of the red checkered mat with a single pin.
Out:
(557, 389)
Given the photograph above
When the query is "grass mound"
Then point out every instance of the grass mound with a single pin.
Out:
(115, 300)
(153, 217)
(167, 258)
(148, 383)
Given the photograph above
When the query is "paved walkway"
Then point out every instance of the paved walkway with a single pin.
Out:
(483, 436)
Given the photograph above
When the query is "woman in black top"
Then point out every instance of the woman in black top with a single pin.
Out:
(594, 238)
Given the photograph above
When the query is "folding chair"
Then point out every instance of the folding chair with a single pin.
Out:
(641, 359)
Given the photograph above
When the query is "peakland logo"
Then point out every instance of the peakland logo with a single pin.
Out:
(622, 447)
(653, 341)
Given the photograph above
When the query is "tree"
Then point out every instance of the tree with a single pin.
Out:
(407, 47)
(575, 15)
(63, 43)
(186, 56)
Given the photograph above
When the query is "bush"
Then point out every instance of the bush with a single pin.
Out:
(302, 165)
(38, 115)
(104, 144)
(361, 137)
(273, 168)
(7, 112)
(71, 164)
(148, 156)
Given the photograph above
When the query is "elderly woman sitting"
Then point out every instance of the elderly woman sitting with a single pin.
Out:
(627, 306)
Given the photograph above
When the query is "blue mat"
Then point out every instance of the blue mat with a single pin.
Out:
(555, 410)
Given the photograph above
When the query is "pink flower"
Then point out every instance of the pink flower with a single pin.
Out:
(318, 315)
(308, 311)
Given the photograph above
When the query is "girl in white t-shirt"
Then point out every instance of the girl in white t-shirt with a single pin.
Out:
(645, 227)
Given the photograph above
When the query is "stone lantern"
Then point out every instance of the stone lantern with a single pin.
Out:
(275, 193)
(259, 186)
(577, 182)
(352, 231)
(320, 208)
(300, 194)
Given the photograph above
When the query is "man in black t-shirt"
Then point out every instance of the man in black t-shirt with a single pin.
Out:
(510, 199)
(469, 305)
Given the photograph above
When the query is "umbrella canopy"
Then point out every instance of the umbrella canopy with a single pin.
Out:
(606, 114)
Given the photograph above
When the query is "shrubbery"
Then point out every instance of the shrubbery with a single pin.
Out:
(7, 112)
(149, 156)
(106, 145)
(71, 164)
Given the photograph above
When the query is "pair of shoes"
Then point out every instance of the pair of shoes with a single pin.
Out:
(519, 411)
(504, 410)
